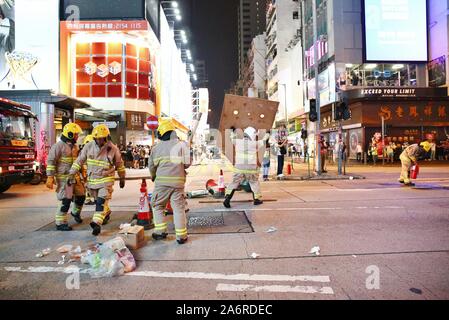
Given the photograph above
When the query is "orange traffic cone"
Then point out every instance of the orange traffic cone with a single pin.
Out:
(144, 214)
(221, 185)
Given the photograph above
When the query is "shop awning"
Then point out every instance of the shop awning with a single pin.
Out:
(92, 114)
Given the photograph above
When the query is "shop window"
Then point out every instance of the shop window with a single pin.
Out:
(144, 54)
(114, 91)
(144, 66)
(83, 77)
(131, 77)
(144, 93)
(131, 92)
(131, 50)
(131, 64)
(98, 91)
(144, 80)
(115, 49)
(82, 49)
(99, 48)
(83, 91)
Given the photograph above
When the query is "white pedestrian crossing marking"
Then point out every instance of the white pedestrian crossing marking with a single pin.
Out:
(274, 289)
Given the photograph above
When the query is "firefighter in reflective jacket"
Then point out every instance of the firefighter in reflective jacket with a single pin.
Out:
(60, 160)
(168, 162)
(409, 156)
(246, 164)
(89, 199)
(103, 158)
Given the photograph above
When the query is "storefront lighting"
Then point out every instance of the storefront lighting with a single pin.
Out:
(192, 67)
(174, 4)
(370, 66)
(349, 65)
(398, 66)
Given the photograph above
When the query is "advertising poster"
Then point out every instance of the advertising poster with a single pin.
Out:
(437, 72)
(396, 30)
(7, 34)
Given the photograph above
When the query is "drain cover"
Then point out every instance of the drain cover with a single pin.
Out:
(206, 221)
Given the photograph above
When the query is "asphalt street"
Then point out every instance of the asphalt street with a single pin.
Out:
(377, 240)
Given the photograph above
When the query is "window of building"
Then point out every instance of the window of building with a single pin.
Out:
(295, 15)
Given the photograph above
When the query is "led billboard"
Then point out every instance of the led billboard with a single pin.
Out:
(395, 30)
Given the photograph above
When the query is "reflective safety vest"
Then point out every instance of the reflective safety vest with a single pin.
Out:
(60, 160)
(101, 164)
(168, 163)
(246, 153)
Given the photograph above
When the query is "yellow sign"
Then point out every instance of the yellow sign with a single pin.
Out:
(19, 143)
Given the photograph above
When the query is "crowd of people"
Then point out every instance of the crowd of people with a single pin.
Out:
(135, 156)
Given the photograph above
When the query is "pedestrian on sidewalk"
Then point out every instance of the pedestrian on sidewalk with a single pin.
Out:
(374, 153)
(324, 149)
(359, 152)
(60, 160)
(266, 160)
(246, 164)
(282, 142)
(168, 162)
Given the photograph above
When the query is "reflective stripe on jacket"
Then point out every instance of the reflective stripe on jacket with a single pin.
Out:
(168, 162)
(101, 164)
(60, 160)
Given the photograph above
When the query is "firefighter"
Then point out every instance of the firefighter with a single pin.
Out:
(168, 162)
(246, 165)
(59, 162)
(409, 156)
(90, 201)
(103, 158)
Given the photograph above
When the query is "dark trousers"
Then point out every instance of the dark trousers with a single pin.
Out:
(359, 157)
(323, 162)
(280, 164)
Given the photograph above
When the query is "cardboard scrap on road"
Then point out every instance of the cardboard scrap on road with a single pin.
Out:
(315, 250)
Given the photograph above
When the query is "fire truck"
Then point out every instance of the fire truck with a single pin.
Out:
(17, 144)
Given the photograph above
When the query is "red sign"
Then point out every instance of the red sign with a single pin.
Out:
(152, 122)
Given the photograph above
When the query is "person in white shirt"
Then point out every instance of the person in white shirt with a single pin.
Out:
(359, 152)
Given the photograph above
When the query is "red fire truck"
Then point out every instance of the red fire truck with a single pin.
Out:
(17, 144)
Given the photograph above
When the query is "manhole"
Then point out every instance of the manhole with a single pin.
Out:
(197, 222)
(207, 221)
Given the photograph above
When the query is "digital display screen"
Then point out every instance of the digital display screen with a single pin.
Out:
(395, 30)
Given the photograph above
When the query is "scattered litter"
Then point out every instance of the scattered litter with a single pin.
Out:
(271, 229)
(315, 250)
(125, 226)
(65, 248)
(77, 250)
(112, 259)
(354, 256)
(43, 253)
(62, 261)
(351, 178)
(255, 255)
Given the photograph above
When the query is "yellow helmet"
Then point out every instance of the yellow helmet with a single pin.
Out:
(88, 139)
(166, 125)
(100, 131)
(70, 130)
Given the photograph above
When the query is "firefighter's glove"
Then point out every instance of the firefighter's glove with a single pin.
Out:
(71, 180)
(122, 183)
(50, 182)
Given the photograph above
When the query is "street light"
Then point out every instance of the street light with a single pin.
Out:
(174, 4)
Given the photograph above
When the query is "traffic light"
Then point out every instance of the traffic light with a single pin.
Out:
(313, 115)
(342, 111)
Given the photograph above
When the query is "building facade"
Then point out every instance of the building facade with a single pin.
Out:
(251, 22)
(254, 71)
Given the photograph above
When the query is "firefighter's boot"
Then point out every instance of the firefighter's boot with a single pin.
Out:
(227, 202)
(64, 227)
(96, 228)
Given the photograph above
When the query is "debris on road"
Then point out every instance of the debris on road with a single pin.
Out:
(271, 230)
(134, 237)
(125, 226)
(255, 255)
(65, 248)
(62, 261)
(112, 259)
(315, 250)
(43, 253)
(354, 256)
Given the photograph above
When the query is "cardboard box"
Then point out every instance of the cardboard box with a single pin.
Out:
(134, 237)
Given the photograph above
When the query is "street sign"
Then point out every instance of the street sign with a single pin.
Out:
(152, 122)
(109, 124)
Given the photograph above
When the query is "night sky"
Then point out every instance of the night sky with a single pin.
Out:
(213, 38)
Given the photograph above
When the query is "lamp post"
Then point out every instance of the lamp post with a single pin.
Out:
(317, 93)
